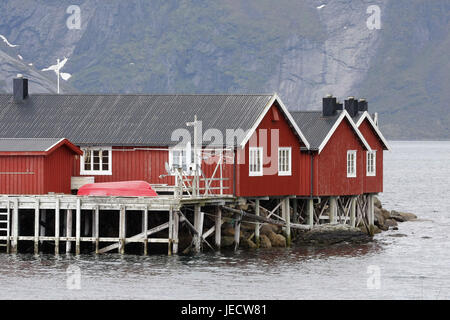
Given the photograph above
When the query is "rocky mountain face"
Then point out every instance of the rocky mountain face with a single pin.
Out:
(299, 49)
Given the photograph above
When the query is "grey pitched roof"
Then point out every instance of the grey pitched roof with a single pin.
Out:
(314, 125)
(26, 145)
(146, 120)
(357, 117)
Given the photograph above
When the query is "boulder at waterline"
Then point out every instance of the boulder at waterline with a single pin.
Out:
(402, 216)
(227, 241)
(277, 240)
(330, 234)
(264, 242)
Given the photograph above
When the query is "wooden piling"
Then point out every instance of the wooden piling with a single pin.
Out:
(310, 212)
(218, 227)
(353, 212)
(36, 226)
(122, 229)
(96, 230)
(333, 210)
(15, 226)
(8, 228)
(287, 216)
(371, 208)
(257, 225)
(237, 232)
(78, 227)
(176, 226)
(198, 225)
(170, 233)
(145, 229)
(57, 215)
(68, 230)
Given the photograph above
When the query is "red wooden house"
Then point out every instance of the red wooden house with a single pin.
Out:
(335, 162)
(146, 137)
(36, 166)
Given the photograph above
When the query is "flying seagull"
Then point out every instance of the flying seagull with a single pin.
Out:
(322, 6)
(7, 42)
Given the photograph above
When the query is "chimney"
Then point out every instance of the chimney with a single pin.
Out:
(362, 105)
(20, 88)
(339, 106)
(351, 105)
(329, 106)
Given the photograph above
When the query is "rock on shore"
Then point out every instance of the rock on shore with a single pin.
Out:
(331, 234)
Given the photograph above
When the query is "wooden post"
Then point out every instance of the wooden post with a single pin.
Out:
(36, 226)
(57, 226)
(15, 226)
(176, 226)
(257, 225)
(371, 207)
(96, 230)
(287, 216)
(218, 227)
(333, 210)
(170, 237)
(198, 225)
(145, 229)
(78, 227)
(68, 230)
(8, 228)
(237, 232)
(42, 228)
(353, 212)
(295, 210)
(122, 229)
(310, 212)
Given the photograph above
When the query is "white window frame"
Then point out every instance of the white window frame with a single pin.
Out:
(371, 173)
(188, 153)
(351, 174)
(259, 171)
(92, 172)
(283, 171)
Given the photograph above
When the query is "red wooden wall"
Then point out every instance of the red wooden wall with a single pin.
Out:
(270, 183)
(330, 166)
(58, 170)
(21, 174)
(373, 184)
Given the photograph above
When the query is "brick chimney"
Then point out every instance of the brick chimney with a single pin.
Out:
(329, 106)
(362, 105)
(351, 105)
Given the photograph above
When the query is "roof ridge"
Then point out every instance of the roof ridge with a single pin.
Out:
(145, 94)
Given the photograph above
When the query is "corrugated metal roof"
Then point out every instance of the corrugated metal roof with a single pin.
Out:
(124, 119)
(314, 125)
(26, 145)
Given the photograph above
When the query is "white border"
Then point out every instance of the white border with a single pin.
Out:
(92, 172)
(285, 173)
(355, 162)
(263, 114)
(344, 114)
(367, 115)
(260, 173)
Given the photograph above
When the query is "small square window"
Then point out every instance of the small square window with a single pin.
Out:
(255, 162)
(284, 161)
(96, 161)
(351, 163)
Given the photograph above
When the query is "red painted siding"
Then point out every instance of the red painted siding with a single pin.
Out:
(373, 184)
(21, 174)
(330, 166)
(58, 170)
(270, 183)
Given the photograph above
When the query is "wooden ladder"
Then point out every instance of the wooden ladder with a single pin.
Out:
(5, 230)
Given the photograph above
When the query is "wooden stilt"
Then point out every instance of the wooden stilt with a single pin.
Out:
(15, 226)
(287, 216)
(8, 228)
(78, 227)
(353, 212)
(68, 230)
(237, 232)
(218, 227)
(36, 226)
(42, 227)
(333, 210)
(57, 226)
(176, 226)
(198, 225)
(96, 228)
(257, 225)
(170, 233)
(144, 229)
(122, 231)
(310, 212)
(371, 208)
(295, 211)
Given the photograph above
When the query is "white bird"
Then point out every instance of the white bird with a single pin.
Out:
(20, 57)
(7, 42)
(322, 6)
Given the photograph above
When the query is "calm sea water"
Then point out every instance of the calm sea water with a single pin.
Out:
(414, 266)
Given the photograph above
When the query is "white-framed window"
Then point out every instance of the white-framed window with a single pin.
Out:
(96, 161)
(180, 158)
(255, 165)
(372, 163)
(284, 161)
(351, 163)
